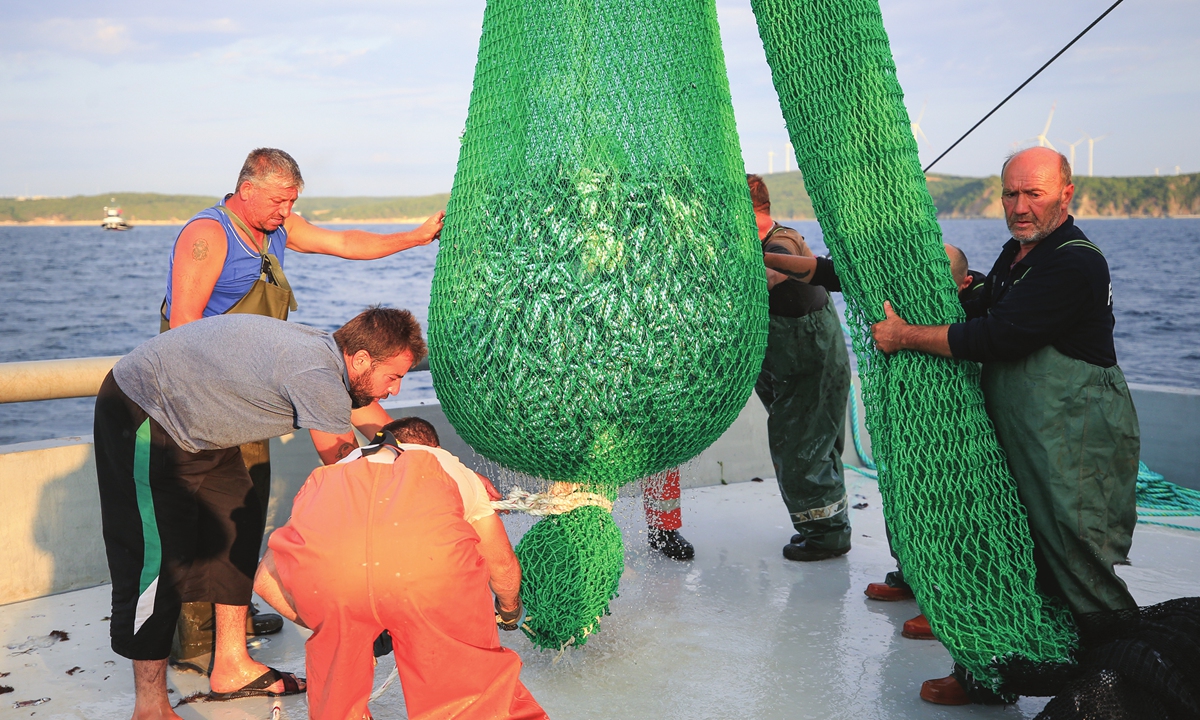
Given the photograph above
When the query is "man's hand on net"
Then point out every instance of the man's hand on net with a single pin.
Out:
(889, 333)
(431, 228)
(510, 619)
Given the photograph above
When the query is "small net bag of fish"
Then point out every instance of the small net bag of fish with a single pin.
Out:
(598, 308)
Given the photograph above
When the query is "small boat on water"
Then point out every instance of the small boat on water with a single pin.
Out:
(113, 220)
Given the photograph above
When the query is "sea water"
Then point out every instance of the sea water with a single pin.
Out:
(70, 291)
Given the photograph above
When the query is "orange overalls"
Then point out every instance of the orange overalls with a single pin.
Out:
(375, 546)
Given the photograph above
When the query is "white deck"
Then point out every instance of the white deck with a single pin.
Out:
(738, 632)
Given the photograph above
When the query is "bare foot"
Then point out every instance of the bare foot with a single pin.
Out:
(150, 687)
(237, 677)
(155, 713)
(233, 668)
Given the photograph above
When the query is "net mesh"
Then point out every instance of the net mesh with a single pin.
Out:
(949, 501)
(571, 565)
(598, 309)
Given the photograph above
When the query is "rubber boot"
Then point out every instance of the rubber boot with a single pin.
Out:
(670, 543)
(195, 638)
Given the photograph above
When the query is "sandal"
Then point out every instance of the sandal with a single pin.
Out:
(258, 688)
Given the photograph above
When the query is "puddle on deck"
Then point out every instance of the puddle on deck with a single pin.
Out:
(738, 632)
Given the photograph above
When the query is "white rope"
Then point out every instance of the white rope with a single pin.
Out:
(558, 499)
(393, 675)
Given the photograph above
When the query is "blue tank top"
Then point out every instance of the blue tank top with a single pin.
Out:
(243, 264)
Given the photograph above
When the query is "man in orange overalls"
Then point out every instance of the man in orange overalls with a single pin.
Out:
(384, 542)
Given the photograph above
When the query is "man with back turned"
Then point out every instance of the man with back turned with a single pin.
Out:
(803, 384)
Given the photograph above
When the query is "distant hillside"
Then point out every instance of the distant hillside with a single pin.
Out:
(955, 197)
(966, 197)
(152, 207)
(134, 206)
(370, 208)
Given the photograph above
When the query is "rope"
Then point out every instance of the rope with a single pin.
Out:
(1156, 497)
(1031, 77)
(559, 499)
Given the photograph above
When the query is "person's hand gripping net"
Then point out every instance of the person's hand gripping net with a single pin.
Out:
(510, 619)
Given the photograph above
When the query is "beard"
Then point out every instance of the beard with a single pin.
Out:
(1041, 230)
(360, 391)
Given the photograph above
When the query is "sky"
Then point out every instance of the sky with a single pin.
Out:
(371, 96)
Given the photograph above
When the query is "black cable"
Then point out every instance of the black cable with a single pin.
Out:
(1031, 77)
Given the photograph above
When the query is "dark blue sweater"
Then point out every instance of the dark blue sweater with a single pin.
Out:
(1059, 294)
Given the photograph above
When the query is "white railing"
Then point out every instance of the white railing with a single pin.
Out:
(53, 379)
(71, 378)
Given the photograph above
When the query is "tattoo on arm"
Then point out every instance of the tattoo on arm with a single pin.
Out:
(798, 275)
(343, 450)
(199, 250)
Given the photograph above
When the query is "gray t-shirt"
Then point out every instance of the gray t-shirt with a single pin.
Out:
(232, 379)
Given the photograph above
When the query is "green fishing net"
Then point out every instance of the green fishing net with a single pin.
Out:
(571, 565)
(950, 503)
(598, 309)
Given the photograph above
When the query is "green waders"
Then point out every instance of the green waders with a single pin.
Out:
(1071, 435)
(804, 383)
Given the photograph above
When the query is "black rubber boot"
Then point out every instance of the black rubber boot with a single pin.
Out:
(670, 543)
(261, 623)
(800, 551)
(195, 636)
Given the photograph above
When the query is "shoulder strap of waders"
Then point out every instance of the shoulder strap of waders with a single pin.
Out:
(1080, 242)
(272, 271)
(777, 228)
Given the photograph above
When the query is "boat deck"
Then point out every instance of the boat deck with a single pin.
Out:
(738, 632)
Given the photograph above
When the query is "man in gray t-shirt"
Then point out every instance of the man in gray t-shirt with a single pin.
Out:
(182, 522)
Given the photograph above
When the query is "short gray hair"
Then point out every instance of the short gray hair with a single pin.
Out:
(269, 165)
(1064, 165)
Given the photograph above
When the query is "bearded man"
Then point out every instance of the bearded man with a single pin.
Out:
(182, 522)
(1043, 330)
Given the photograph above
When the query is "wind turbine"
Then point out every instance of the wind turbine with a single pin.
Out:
(917, 132)
(1072, 146)
(1091, 148)
(1044, 141)
(787, 157)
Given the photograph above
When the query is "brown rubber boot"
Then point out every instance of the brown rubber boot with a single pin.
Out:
(944, 691)
(918, 629)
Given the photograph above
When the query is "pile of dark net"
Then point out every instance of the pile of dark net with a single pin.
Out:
(1139, 664)
(950, 503)
(598, 309)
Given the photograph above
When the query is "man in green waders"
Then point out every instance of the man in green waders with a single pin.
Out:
(229, 259)
(1063, 414)
(804, 383)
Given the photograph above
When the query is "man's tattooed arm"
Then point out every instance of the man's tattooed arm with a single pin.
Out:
(200, 249)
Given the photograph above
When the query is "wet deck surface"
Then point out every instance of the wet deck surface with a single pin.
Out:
(738, 632)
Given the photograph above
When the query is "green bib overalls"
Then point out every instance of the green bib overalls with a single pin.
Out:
(1071, 435)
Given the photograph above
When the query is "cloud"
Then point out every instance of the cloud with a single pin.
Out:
(93, 35)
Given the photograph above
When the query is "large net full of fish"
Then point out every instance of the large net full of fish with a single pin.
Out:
(950, 503)
(598, 309)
